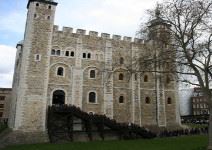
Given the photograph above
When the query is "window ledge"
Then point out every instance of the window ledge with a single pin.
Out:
(93, 103)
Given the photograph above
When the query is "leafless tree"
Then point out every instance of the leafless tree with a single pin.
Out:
(185, 49)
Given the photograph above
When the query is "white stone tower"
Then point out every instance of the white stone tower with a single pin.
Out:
(29, 103)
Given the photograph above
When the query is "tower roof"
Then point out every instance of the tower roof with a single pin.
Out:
(158, 20)
(51, 2)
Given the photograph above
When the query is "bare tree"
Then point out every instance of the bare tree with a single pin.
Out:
(182, 39)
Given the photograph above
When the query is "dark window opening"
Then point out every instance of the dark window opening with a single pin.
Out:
(121, 99)
(58, 97)
(169, 101)
(147, 100)
(168, 80)
(50, 7)
(89, 55)
(1, 105)
(92, 97)
(53, 52)
(37, 4)
(1, 114)
(84, 55)
(67, 53)
(121, 76)
(145, 78)
(121, 60)
(58, 52)
(72, 54)
(48, 17)
(2, 98)
(35, 15)
(136, 77)
(92, 74)
(60, 71)
(37, 57)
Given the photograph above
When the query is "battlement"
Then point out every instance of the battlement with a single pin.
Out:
(69, 30)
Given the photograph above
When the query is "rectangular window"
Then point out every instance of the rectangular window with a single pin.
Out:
(135, 77)
(2, 98)
(72, 54)
(84, 55)
(67, 53)
(1, 106)
(37, 57)
(1, 114)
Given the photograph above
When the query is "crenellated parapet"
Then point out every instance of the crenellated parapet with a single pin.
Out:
(95, 34)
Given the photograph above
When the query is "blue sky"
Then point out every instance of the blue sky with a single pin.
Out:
(120, 17)
(12, 14)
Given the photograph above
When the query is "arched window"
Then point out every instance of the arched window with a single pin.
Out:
(49, 7)
(72, 54)
(169, 101)
(53, 52)
(37, 4)
(92, 97)
(84, 55)
(92, 74)
(121, 60)
(91, 113)
(58, 52)
(89, 55)
(48, 17)
(67, 53)
(147, 100)
(121, 99)
(60, 71)
(146, 78)
(58, 97)
(121, 76)
(37, 57)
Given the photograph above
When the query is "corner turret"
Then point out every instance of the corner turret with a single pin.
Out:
(159, 28)
(30, 92)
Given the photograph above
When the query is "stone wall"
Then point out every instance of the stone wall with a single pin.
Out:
(45, 49)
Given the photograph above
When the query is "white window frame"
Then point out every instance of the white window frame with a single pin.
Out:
(89, 72)
(63, 71)
(57, 51)
(96, 102)
(35, 57)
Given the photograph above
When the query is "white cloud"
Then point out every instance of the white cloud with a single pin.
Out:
(7, 59)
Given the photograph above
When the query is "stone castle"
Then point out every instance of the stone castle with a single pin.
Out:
(92, 72)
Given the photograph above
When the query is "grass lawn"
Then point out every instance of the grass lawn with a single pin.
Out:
(179, 143)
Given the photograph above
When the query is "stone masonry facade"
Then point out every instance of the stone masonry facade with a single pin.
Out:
(5, 98)
(86, 70)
